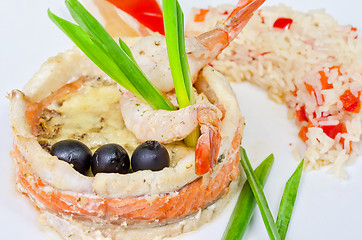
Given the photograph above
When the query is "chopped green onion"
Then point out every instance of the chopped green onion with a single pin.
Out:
(288, 200)
(259, 196)
(245, 205)
(115, 60)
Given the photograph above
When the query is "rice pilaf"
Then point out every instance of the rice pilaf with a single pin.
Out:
(309, 62)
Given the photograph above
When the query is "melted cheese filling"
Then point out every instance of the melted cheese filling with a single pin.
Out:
(92, 115)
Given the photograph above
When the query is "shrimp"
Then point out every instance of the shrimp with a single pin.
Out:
(167, 126)
(161, 125)
(150, 52)
(208, 145)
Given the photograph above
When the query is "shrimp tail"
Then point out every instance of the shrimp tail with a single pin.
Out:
(239, 17)
(219, 38)
(208, 144)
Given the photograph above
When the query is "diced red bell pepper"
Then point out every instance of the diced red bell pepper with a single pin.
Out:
(351, 103)
(283, 23)
(342, 141)
(354, 29)
(324, 81)
(333, 130)
(338, 68)
(200, 17)
(309, 87)
(301, 115)
(303, 133)
(324, 78)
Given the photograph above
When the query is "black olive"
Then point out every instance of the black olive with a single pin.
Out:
(74, 153)
(150, 155)
(110, 158)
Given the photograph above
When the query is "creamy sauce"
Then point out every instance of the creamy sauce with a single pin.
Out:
(92, 115)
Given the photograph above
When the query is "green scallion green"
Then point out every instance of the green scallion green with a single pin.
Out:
(259, 196)
(183, 56)
(175, 40)
(245, 205)
(288, 200)
(174, 33)
(115, 60)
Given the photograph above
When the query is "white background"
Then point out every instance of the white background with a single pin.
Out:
(326, 208)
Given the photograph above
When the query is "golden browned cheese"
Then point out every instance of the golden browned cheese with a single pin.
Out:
(91, 115)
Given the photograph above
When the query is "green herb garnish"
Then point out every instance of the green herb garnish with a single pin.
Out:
(115, 60)
(245, 205)
(288, 200)
(259, 196)
(175, 40)
(276, 230)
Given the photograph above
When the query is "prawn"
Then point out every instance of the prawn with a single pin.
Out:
(150, 52)
(168, 126)
(146, 123)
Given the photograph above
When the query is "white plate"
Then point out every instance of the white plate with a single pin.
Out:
(326, 208)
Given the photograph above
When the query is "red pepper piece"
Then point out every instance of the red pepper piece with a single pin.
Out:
(147, 12)
(333, 130)
(301, 115)
(303, 133)
(354, 29)
(294, 93)
(304, 130)
(324, 78)
(283, 23)
(338, 68)
(200, 17)
(309, 87)
(351, 103)
(324, 81)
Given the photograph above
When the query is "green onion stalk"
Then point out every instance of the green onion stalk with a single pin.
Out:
(259, 196)
(288, 199)
(244, 208)
(175, 41)
(116, 60)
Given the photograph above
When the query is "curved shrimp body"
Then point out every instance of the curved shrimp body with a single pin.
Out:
(151, 54)
(161, 125)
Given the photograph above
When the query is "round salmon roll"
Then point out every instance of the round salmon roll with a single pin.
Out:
(71, 98)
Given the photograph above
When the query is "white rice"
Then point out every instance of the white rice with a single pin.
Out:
(285, 61)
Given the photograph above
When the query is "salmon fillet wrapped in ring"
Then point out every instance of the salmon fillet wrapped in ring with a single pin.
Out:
(71, 98)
